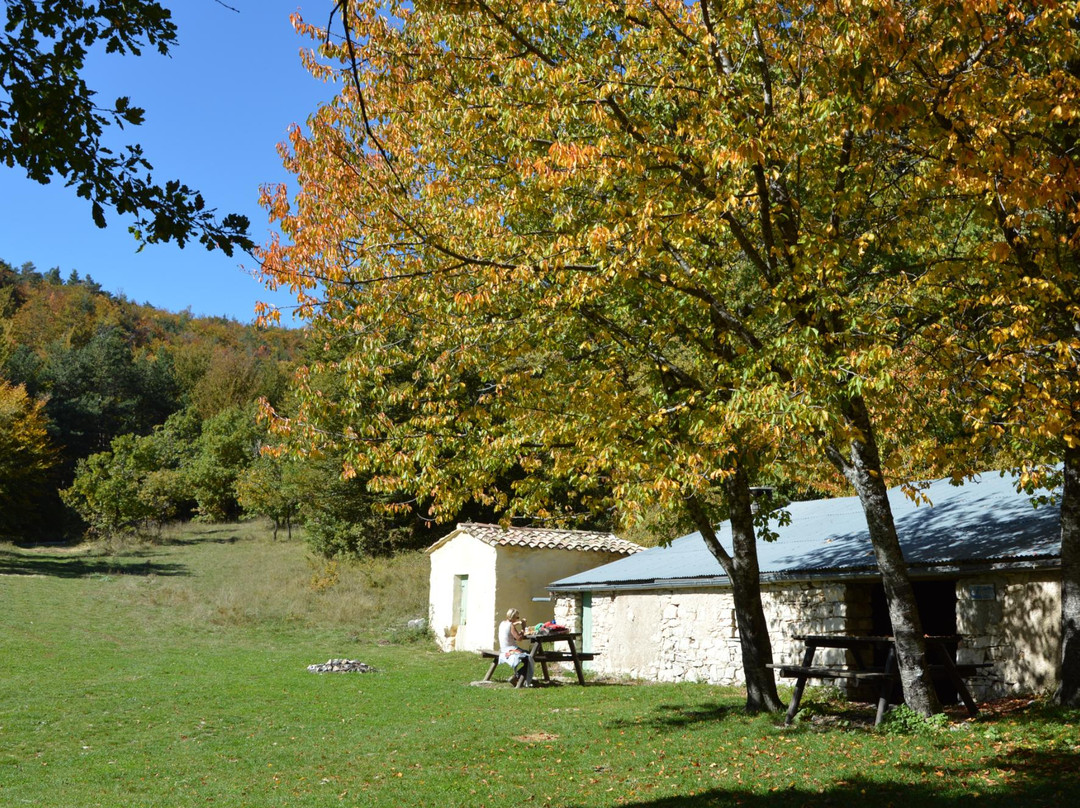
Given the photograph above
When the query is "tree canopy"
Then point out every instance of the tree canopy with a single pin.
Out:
(1000, 126)
(607, 251)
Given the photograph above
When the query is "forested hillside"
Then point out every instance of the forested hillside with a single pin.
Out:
(117, 417)
(82, 369)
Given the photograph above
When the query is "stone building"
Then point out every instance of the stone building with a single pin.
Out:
(479, 571)
(984, 561)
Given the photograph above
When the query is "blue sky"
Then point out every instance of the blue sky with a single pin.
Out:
(215, 111)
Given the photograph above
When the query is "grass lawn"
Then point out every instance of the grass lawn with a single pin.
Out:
(176, 675)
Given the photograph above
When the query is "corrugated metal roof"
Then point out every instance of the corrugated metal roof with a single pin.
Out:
(542, 538)
(983, 521)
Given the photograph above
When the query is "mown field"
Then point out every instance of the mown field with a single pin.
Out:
(176, 675)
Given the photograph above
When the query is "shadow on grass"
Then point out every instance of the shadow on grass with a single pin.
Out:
(680, 716)
(1037, 779)
(224, 534)
(83, 567)
(199, 540)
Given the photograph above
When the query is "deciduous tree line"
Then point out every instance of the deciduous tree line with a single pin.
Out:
(575, 256)
(119, 418)
(95, 371)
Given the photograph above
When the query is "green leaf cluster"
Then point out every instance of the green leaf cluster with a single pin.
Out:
(52, 124)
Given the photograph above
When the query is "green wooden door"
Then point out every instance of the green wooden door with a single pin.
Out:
(461, 600)
(586, 626)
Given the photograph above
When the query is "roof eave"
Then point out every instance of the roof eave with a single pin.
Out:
(797, 576)
(453, 534)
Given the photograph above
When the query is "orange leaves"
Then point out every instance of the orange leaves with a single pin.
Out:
(600, 238)
(999, 251)
(569, 156)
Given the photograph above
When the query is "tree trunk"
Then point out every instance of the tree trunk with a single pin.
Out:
(746, 591)
(1068, 693)
(742, 569)
(863, 470)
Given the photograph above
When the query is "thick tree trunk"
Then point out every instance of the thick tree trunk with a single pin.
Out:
(1068, 693)
(863, 470)
(742, 569)
(754, 639)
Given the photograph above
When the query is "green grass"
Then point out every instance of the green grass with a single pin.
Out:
(175, 675)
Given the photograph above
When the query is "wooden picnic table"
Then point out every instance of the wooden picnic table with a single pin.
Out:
(543, 655)
(873, 660)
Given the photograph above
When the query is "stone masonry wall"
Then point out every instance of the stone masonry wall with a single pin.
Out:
(568, 611)
(1012, 621)
(690, 634)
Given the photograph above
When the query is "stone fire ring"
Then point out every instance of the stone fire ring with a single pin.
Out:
(341, 666)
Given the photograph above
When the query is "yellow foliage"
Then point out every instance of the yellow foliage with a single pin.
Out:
(613, 243)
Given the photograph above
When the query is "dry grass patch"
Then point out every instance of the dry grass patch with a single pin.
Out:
(237, 575)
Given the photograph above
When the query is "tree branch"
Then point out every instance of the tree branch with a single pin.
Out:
(341, 8)
(517, 37)
(721, 59)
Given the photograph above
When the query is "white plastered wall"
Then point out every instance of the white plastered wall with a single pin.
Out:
(462, 555)
(500, 578)
(523, 573)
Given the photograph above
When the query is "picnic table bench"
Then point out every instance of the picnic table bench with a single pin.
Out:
(543, 655)
(864, 651)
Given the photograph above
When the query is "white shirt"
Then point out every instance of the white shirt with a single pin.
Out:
(506, 636)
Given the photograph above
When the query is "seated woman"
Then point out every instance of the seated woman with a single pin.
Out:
(517, 658)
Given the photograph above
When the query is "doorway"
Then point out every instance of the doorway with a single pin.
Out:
(461, 601)
(936, 601)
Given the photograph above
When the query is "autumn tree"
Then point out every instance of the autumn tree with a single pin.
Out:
(662, 245)
(993, 110)
(26, 456)
(53, 125)
(277, 488)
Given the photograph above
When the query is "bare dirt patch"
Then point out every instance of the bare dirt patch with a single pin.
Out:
(536, 737)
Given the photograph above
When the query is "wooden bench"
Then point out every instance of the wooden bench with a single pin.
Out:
(542, 657)
(795, 671)
(884, 677)
(788, 671)
(494, 657)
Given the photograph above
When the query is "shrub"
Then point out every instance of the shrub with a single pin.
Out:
(902, 720)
